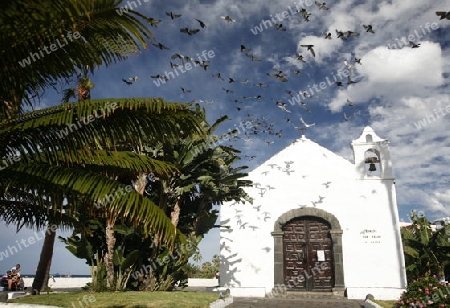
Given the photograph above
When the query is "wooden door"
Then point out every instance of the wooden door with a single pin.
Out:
(308, 254)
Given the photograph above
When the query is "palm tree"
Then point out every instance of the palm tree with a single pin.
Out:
(79, 34)
(67, 158)
(84, 87)
(44, 41)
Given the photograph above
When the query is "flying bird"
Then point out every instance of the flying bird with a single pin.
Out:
(350, 103)
(189, 31)
(288, 171)
(310, 48)
(218, 75)
(227, 91)
(358, 60)
(340, 34)
(260, 85)
(172, 15)
(305, 14)
(160, 46)
(326, 35)
(133, 79)
(244, 49)
(279, 27)
(162, 77)
(185, 90)
(154, 22)
(177, 55)
(299, 57)
(297, 72)
(227, 18)
(327, 184)
(188, 59)
(290, 92)
(181, 57)
(305, 124)
(279, 103)
(368, 28)
(346, 118)
(127, 81)
(351, 33)
(279, 72)
(339, 83)
(317, 202)
(202, 24)
(280, 75)
(443, 15)
(288, 163)
(258, 207)
(284, 108)
(414, 45)
(205, 65)
(322, 6)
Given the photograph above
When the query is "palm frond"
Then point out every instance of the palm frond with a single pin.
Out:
(97, 124)
(42, 42)
(116, 197)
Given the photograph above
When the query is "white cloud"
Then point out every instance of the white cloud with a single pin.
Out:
(411, 66)
(395, 73)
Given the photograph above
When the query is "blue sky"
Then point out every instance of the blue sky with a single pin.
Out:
(400, 91)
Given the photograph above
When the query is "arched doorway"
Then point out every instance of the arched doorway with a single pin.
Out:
(308, 254)
(311, 230)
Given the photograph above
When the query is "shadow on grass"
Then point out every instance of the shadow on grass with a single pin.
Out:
(123, 306)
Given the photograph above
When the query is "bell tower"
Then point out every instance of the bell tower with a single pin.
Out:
(372, 156)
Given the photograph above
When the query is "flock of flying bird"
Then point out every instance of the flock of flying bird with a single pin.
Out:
(261, 126)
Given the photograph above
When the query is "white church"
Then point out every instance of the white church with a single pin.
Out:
(318, 222)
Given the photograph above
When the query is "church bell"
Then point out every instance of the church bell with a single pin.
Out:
(372, 167)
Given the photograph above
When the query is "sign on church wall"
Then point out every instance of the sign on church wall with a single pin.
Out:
(370, 236)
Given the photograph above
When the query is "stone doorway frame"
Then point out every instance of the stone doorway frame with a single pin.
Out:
(336, 237)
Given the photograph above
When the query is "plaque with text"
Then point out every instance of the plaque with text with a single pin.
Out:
(320, 255)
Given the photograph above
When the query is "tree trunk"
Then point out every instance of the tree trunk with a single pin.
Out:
(110, 238)
(40, 281)
(175, 214)
(109, 256)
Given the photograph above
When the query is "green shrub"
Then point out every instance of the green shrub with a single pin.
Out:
(425, 292)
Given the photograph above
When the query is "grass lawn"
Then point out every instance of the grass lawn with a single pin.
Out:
(176, 299)
(385, 304)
